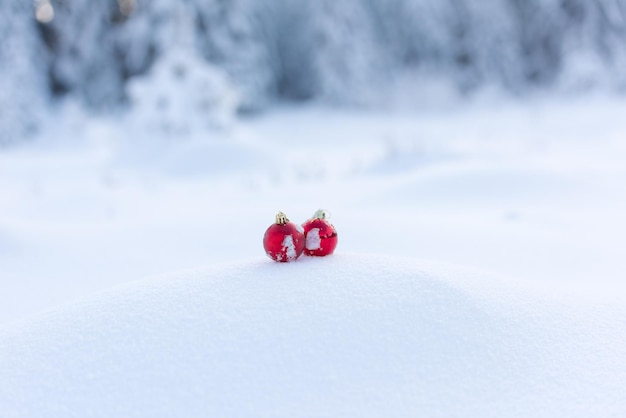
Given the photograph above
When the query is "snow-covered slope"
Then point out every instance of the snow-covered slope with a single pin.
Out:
(349, 335)
(534, 191)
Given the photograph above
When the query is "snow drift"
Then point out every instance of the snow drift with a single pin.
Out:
(349, 335)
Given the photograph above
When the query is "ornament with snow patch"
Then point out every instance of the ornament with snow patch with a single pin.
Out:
(283, 241)
(320, 235)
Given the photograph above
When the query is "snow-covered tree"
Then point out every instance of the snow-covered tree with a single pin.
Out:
(346, 56)
(181, 93)
(23, 89)
(339, 51)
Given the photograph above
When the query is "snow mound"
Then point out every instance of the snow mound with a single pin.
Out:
(348, 335)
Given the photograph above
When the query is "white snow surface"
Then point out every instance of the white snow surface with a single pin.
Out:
(346, 335)
(290, 248)
(534, 190)
(313, 239)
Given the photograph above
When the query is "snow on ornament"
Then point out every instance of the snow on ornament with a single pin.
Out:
(320, 235)
(284, 240)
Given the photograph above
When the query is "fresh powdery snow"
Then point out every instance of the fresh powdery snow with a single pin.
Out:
(534, 193)
(346, 335)
(290, 248)
(313, 239)
(151, 139)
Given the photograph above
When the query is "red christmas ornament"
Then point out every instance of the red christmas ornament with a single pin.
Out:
(320, 235)
(284, 240)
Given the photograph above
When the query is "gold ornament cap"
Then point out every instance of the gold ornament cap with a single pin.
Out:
(321, 214)
(281, 218)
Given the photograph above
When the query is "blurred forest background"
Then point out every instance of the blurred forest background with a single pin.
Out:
(228, 57)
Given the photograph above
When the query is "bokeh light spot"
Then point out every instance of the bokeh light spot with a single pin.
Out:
(44, 12)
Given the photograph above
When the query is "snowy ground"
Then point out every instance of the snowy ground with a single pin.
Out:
(351, 336)
(508, 298)
(535, 192)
